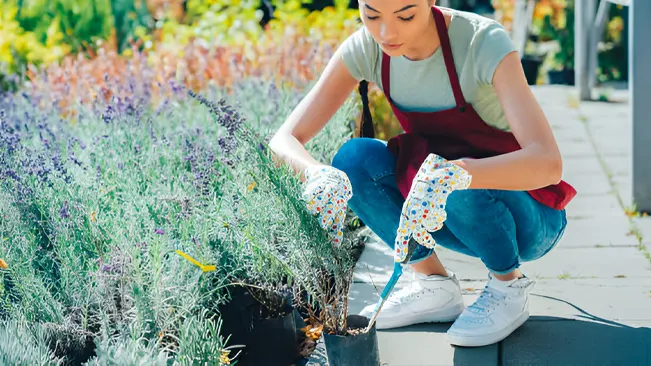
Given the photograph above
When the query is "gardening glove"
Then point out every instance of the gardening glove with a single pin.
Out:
(327, 191)
(423, 211)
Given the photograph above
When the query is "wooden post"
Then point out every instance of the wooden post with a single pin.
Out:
(640, 93)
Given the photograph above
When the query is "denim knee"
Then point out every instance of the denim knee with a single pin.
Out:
(366, 156)
(503, 228)
(377, 201)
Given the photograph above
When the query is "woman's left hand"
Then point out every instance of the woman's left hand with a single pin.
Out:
(424, 209)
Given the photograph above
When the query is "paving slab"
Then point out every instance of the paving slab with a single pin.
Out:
(624, 189)
(573, 342)
(419, 345)
(588, 183)
(566, 125)
(593, 207)
(582, 164)
(425, 345)
(626, 300)
(605, 114)
(603, 230)
(572, 131)
(619, 165)
(375, 265)
(590, 263)
(554, 97)
(612, 141)
(643, 225)
(571, 148)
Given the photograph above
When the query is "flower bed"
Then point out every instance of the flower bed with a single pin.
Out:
(129, 226)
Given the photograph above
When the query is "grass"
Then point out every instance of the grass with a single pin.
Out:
(564, 276)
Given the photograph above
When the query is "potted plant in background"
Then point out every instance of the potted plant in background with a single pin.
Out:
(556, 24)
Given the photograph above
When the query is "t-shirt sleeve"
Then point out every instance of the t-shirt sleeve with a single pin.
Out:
(359, 53)
(493, 43)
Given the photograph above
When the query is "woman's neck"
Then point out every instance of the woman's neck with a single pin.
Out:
(426, 45)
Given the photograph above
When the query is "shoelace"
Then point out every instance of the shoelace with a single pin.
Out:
(405, 294)
(487, 301)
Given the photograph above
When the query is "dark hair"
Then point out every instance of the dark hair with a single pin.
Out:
(366, 128)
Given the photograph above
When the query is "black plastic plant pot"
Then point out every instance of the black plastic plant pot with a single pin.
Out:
(257, 340)
(359, 349)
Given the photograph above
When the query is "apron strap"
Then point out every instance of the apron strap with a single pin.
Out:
(386, 67)
(447, 56)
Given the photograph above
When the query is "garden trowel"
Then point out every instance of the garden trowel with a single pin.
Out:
(397, 272)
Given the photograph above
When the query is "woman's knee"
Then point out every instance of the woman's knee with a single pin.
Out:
(363, 155)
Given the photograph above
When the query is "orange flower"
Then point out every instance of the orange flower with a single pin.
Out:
(312, 332)
(3, 264)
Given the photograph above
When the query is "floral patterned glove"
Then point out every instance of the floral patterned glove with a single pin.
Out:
(327, 191)
(424, 209)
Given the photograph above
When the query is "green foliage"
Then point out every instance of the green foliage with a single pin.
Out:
(82, 22)
(20, 47)
(278, 225)
(93, 216)
(22, 343)
(131, 20)
(563, 34)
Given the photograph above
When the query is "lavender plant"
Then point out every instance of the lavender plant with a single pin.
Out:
(92, 214)
(279, 225)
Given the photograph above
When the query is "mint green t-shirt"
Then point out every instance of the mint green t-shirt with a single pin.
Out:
(478, 45)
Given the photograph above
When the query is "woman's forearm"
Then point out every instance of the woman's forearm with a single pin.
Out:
(287, 149)
(525, 169)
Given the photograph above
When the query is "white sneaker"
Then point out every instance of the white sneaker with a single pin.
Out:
(501, 308)
(427, 299)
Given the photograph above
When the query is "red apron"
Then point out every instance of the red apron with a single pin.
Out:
(453, 133)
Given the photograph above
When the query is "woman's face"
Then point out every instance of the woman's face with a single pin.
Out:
(396, 25)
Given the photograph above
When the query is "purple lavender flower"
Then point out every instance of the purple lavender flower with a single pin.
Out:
(109, 114)
(74, 160)
(106, 268)
(63, 212)
(226, 144)
(226, 115)
(159, 231)
(110, 268)
(12, 174)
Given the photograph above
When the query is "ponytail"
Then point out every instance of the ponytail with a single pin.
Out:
(366, 125)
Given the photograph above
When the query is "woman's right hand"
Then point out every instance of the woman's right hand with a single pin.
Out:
(326, 193)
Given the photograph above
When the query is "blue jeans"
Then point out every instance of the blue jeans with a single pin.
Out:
(502, 228)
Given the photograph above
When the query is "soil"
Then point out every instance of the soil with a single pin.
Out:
(355, 331)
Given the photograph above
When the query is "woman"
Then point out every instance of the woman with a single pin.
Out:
(455, 82)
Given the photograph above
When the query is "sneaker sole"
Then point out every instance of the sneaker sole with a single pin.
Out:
(486, 339)
(438, 316)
